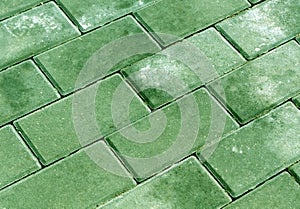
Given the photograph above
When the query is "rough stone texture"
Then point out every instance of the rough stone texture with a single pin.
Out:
(168, 74)
(81, 124)
(63, 127)
(186, 185)
(280, 192)
(76, 182)
(89, 14)
(257, 151)
(15, 158)
(12, 7)
(264, 27)
(78, 53)
(261, 84)
(162, 18)
(23, 88)
(222, 55)
(33, 31)
(170, 134)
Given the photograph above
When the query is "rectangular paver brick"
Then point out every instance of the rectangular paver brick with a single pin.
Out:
(173, 20)
(222, 55)
(23, 88)
(11, 7)
(93, 13)
(33, 31)
(295, 170)
(15, 158)
(76, 182)
(261, 84)
(280, 192)
(257, 151)
(186, 185)
(171, 133)
(263, 27)
(63, 127)
(164, 73)
(64, 64)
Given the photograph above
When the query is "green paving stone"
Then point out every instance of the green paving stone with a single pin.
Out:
(297, 101)
(32, 32)
(280, 192)
(76, 182)
(222, 55)
(257, 151)
(64, 63)
(261, 84)
(15, 158)
(63, 127)
(23, 88)
(178, 19)
(93, 13)
(11, 7)
(295, 170)
(156, 77)
(264, 27)
(186, 185)
(170, 134)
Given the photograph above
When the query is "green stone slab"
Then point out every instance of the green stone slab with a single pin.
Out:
(222, 55)
(296, 100)
(170, 134)
(76, 182)
(257, 151)
(159, 79)
(94, 13)
(261, 84)
(63, 127)
(156, 77)
(263, 27)
(15, 158)
(173, 20)
(64, 64)
(295, 170)
(23, 88)
(298, 38)
(33, 31)
(280, 192)
(11, 7)
(186, 185)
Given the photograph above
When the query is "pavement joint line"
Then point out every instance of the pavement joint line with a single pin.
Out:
(120, 160)
(48, 77)
(149, 33)
(30, 147)
(293, 174)
(234, 45)
(258, 186)
(68, 15)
